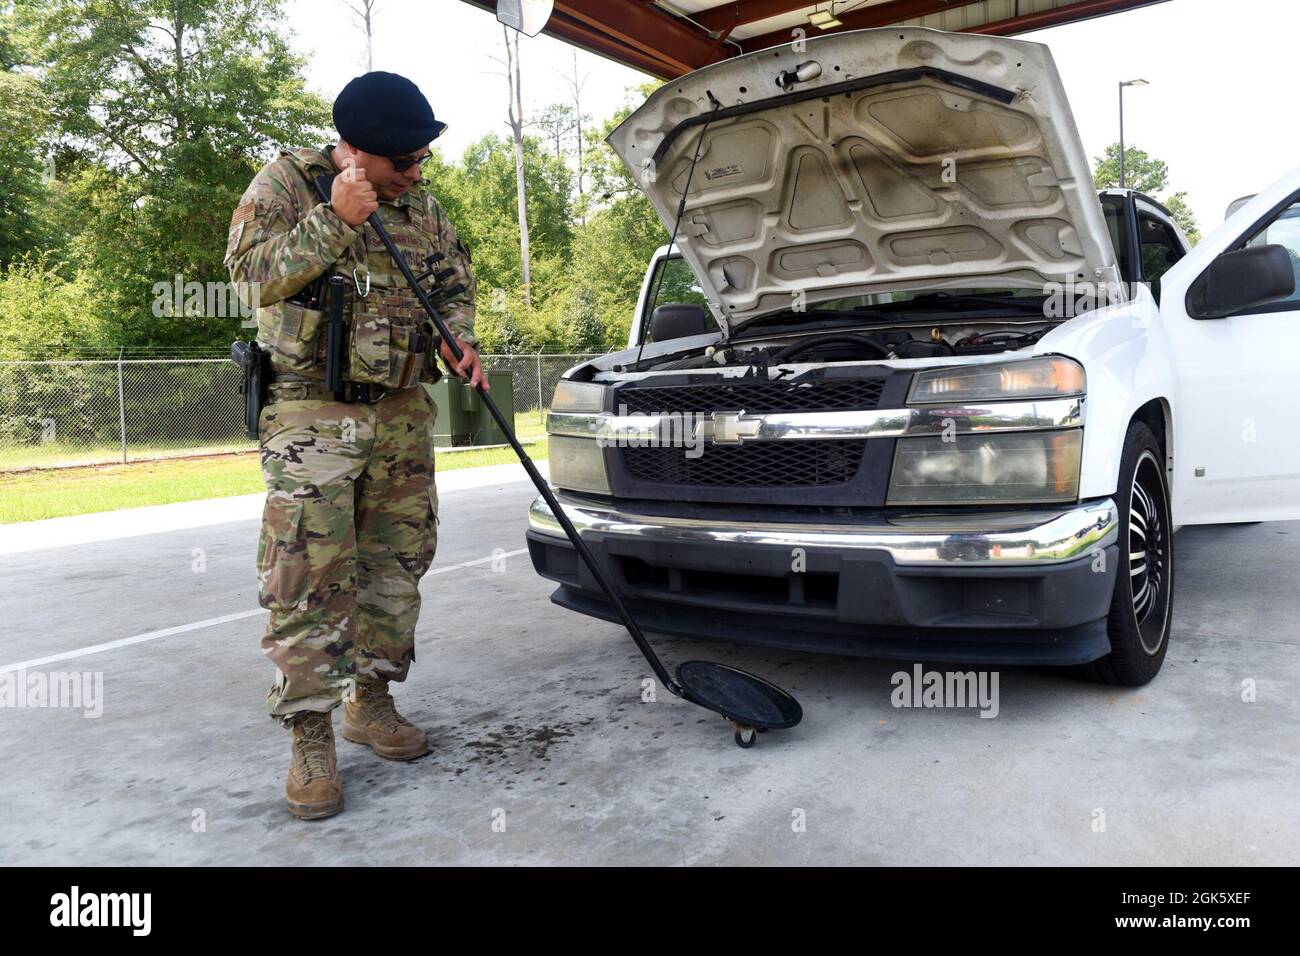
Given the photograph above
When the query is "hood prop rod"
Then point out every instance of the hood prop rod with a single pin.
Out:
(672, 241)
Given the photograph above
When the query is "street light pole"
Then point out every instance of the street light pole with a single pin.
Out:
(1123, 84)
(1121, 136)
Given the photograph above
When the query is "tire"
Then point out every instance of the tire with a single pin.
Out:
(1142, 607)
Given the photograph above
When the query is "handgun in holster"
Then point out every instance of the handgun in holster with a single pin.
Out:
(255, 364)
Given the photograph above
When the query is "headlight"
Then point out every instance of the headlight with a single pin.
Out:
(578, 397)
(987, 469)
(577, 464)
(1050, 376)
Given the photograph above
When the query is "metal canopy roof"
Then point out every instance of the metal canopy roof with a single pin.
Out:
(667, 38)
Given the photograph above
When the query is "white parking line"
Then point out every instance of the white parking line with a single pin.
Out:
(469, 564)
(209, 622)
(127, 641)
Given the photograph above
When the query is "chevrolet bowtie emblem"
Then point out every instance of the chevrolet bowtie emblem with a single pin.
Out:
(728, 428)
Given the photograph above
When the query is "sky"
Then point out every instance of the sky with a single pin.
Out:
(1218, 72)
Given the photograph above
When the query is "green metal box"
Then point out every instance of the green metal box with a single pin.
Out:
(462, 418)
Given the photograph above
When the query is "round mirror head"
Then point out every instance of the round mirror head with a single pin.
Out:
(738, 696)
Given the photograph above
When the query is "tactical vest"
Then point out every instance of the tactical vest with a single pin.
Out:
(390, 341)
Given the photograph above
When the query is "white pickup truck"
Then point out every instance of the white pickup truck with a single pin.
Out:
(906, 386)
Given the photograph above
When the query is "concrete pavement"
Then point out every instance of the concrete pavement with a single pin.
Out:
(544, 751)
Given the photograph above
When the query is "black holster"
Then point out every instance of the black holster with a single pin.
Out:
(255, 363)
(336, 348)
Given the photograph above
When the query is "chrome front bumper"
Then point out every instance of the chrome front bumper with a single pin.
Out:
(1027, 538)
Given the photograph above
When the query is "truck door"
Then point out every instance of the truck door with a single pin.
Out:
(1236, 443)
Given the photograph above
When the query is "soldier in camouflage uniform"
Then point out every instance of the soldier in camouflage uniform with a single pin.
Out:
(350, 522)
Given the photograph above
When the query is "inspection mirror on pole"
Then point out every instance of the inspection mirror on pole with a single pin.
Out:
(751, 704)
(526, 16)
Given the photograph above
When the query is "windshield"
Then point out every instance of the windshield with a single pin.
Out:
(673, 282)
(928, 297)
(889, 306)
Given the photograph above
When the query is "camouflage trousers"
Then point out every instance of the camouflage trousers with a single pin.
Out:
(348, 530)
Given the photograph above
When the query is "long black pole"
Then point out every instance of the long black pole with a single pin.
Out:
(597, 572)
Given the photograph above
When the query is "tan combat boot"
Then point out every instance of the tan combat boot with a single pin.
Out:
(313, 788)
(373, 719)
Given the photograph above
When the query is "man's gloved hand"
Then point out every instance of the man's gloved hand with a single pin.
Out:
(352, 196)
(469, 365)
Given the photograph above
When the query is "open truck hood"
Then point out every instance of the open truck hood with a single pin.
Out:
(913, 158)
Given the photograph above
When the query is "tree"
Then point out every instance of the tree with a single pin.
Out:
(607, 174)
(364, 11)
(8, 49)
(515, 117)
(157, 113)
(557, 124)
(23, 173)
(169, 106)
(1146, 174)
(593, 309)
(480, 194)
(1182, 214)
(40, 306)
(576, 82)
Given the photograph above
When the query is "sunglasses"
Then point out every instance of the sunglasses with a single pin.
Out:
(402, 163)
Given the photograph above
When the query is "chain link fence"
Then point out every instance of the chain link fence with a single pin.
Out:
(60, 413)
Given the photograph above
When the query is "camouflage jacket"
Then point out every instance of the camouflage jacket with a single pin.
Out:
(283, 237)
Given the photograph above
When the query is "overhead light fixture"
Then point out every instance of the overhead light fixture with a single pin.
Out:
(824, 19)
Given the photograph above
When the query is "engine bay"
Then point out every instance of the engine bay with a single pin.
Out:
(858, 345)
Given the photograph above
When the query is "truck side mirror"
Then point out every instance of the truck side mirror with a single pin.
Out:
(677, 320)
(1241, 280)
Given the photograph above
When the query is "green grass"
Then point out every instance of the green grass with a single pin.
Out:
(528, 425)
(29, 496)
(531, 424)
(63, 454)
(491, 456)
(54, 493)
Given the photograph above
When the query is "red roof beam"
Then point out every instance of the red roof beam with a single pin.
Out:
(640, 27)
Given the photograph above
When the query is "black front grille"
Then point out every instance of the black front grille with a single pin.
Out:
(754, 464)
(753, 396)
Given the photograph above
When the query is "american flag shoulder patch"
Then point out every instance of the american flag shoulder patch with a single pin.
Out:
(243, 214)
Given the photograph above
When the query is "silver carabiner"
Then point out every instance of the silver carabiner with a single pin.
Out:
(356, 280)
